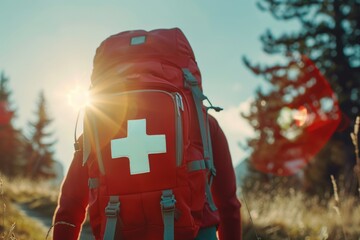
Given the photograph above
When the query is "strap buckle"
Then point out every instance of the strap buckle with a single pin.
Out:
(77, 146)
(210, 166)
(93, 183)
(168, 213)
(113, 207)
(168, 202)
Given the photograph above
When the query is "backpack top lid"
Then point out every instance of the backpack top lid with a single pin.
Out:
(121, 50)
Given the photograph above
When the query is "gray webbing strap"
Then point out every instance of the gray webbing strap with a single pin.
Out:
(200, 165)
(210, 163)
(168, 213)
(196, 165)
(205, 131)
(76, 143)
(198, 97)
(112, 211)
(86, 141)
(93, 183)
(210, 198)
(211, 167)
(97, 146)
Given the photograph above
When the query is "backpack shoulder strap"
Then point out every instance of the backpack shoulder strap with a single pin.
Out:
(191, 82)
(198, 96)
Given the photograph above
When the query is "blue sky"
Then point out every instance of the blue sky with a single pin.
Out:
(50, 45)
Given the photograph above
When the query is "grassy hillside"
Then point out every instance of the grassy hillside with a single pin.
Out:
(288, 214)
(276, 214)
(14, 223)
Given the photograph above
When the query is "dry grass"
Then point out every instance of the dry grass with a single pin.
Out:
(24, 190)
(276, 213)
(282, 213)
(15, 225)
(294, 215)
(354, 137)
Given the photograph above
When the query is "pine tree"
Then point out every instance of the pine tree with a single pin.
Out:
(329, 36)
(10, 145)
(39, 149)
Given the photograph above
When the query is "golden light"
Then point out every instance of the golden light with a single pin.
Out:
(292, 121)
(300, 116)
(78, 97)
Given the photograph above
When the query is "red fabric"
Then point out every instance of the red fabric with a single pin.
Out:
(224, 187)
(315, 116)
(163, 50)
(138, 204)
(74, 200)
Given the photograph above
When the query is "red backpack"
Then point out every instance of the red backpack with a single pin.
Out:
(146, 138)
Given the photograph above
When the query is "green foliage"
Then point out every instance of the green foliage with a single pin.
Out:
(39, 148)
(10, 143)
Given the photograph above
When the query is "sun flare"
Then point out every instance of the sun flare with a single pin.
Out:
(78, 97)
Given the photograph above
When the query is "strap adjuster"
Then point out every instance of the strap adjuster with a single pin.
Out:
(168, 213)
(77, 146)
(167, 201)
(93, 183)
(113, 207)
(209, 165)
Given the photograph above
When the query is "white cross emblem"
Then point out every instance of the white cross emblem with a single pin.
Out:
(137, 146)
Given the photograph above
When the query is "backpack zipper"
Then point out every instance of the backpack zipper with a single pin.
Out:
(179, 129)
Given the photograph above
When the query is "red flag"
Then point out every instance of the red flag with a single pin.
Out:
(306, 122)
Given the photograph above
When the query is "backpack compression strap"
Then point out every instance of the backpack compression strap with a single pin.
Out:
(198, 97)
(168, 213)
(91, 130)
(112, 211)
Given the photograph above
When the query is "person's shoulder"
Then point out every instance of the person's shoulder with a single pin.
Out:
(212, 119)
(213, 123)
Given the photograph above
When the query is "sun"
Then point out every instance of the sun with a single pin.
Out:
(78, 97)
